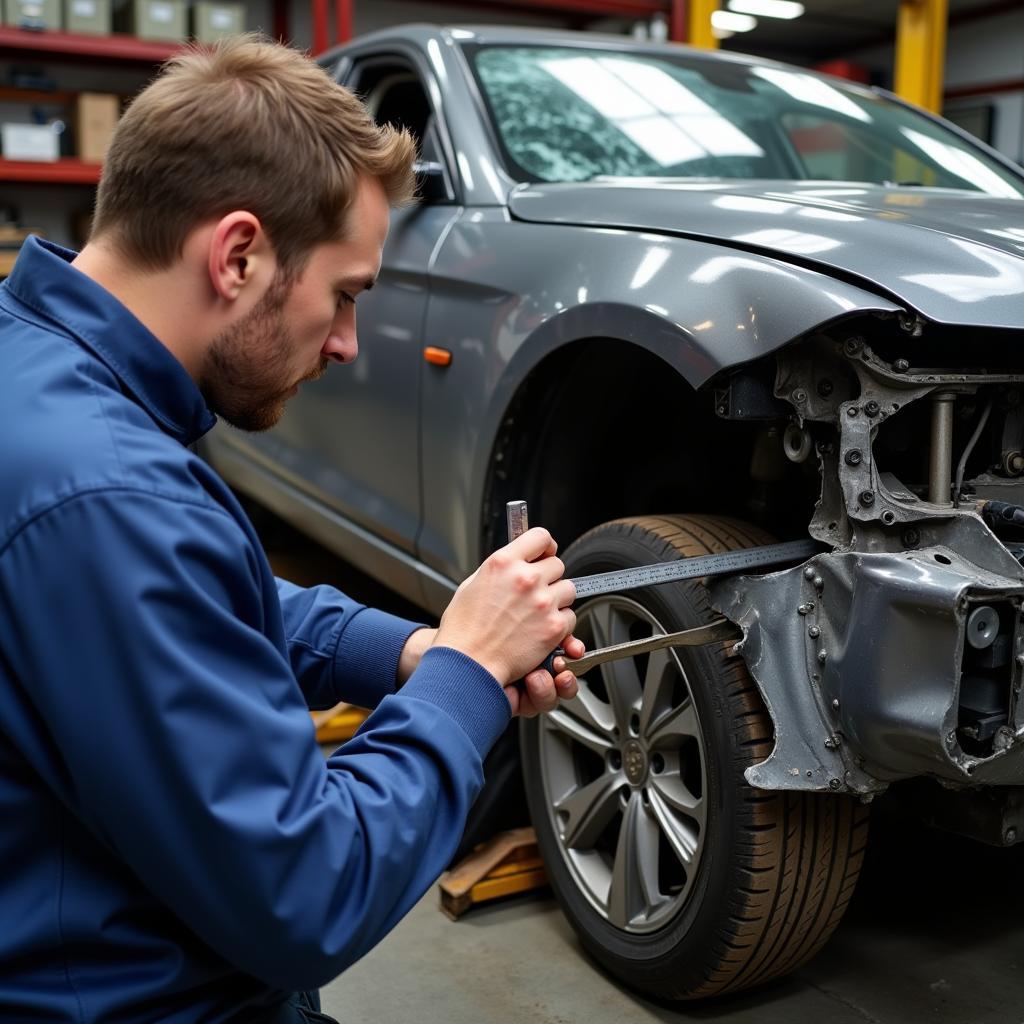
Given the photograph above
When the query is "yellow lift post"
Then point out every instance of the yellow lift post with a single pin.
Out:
(691, 23)
(921, 52)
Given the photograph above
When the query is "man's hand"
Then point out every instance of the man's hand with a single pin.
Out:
(511, 614)
(538, 691)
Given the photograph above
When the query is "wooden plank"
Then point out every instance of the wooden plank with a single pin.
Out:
(508, 863)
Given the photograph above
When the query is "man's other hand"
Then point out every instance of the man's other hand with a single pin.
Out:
(511, 614)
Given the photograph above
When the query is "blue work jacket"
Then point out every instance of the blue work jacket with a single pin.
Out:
(173, 845)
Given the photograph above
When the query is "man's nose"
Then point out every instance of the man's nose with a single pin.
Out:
(341, 348)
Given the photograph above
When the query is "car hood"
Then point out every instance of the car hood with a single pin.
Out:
(953, 257)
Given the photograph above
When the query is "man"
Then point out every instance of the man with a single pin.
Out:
(174, 848)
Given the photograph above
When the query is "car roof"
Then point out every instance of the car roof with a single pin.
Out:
(422, 33)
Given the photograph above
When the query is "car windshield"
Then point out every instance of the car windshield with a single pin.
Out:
(574, 114)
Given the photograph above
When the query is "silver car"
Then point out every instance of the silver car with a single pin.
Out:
(688, 303)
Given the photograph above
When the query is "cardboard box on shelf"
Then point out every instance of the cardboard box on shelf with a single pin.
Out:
(32, 14)
(153, 19)
(96, 115)
(212, 21)
(92, 17)
(30, 142)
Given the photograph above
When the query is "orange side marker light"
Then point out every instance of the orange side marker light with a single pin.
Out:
(437, 356)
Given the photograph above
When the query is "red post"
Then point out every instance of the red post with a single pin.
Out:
(281, 20)
(343, 11)
(321, 32)
(678, 30)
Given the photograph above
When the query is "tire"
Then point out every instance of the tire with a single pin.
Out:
(679, 878)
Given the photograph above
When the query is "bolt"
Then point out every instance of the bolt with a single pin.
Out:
(809, 572)
(721, 410)
(835, 704)
(888, 517)
(852, 346)
(852, 411)
(832, 743)
(853, 457)
(872, 408)
(1010, 837)
(901, 366)
(806, 609)
(834, 783)
(799, 396)
(814, 632)
(825, 387)
(866, 498)
(911, 537)
(822, 656)
(818, 582)
(810, 775)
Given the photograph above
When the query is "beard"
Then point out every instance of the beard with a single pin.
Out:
(245, 377)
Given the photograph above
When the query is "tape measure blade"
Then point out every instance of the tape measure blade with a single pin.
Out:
(727, 562)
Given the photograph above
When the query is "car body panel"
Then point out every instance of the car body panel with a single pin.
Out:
(953, 257)
(695, 305)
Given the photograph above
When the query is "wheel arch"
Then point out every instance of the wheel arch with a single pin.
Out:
(593, 432)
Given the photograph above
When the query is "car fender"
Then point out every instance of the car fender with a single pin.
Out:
(505, 295)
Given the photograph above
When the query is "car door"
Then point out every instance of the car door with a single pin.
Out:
(351, 437)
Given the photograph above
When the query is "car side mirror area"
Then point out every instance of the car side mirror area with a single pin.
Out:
(431, 186)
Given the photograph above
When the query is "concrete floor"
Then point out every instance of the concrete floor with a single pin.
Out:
(934, 935)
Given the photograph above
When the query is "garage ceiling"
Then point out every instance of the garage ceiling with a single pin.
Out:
(837, 28)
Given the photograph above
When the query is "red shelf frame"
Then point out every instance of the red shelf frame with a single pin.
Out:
(69, 44)
(675, 9)
(60, 172)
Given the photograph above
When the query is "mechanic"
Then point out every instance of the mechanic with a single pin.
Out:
(175, 847)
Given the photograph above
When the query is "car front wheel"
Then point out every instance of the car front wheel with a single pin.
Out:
(679, 878)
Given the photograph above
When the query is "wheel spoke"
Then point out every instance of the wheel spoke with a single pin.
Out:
(678, 796)
(675, 726)
(588, 810)
(577, 727)
(658, 680)
(682, 834)
(634, 882)
(606, 624)
(620, 678)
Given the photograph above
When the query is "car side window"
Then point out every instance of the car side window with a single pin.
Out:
(394, 94)
(836, 151)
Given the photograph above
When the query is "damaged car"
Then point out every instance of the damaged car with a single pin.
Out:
(688, 303)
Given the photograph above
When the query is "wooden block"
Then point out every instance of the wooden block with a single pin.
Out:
(506, 864)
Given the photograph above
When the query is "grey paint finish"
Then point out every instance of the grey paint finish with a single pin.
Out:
(955, 258)
(505, 295)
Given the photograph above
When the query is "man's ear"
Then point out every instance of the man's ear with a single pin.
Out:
(240, 256)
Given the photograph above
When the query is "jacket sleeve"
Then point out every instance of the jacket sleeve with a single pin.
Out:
(187, 747)
(340, 649)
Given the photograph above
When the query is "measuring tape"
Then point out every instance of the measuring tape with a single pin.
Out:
(726, 563)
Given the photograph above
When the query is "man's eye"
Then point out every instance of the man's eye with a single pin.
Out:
(344, 299)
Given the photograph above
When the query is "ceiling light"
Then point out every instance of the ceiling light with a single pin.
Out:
(786, 9)
(729, 22)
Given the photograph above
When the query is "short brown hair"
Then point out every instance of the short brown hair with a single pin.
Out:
(247, 124)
